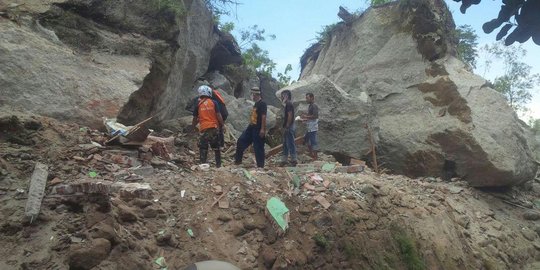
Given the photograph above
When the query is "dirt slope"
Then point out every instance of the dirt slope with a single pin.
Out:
(374, 221)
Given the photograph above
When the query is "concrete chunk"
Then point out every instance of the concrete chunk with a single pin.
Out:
(38, 182)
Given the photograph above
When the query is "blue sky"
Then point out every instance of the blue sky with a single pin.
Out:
(296, 23)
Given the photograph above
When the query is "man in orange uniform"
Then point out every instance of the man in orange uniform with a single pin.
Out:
(208, 116)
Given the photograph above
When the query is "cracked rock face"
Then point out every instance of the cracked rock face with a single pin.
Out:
(82, 60)
(433, 117)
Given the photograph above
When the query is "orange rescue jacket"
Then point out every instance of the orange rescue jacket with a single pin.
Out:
(207, 113)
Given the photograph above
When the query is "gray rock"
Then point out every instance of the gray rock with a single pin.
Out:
(225, 53)
(434, 117)
(167, 88)
(126, 214)
(531, 215)
(529, 234)
(463, 221)
(219, 81)
(225, 217)
(455, 190)
(368, 189)
(269, 86)
(86, 257)
(63, 84)
(341, 116)
(240, 111)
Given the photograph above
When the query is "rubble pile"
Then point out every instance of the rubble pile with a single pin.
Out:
(128, 205)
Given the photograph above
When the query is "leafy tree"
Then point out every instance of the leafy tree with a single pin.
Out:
(325, 34)
(220, 7)
(255, 58)
(467, 43)
(252, 35)
(517, 81)
(378, 2)
(526, 21)
(174, 6)
(283, 79)
(227, 27)
(535, 125)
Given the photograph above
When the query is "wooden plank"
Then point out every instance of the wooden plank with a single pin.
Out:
(279, 148)
(36, 191)
(373, 150)
(132, 129)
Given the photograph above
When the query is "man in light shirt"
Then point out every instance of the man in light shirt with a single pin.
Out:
(312, 124)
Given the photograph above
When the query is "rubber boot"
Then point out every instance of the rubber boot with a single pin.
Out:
(203, 155)
(218, 158)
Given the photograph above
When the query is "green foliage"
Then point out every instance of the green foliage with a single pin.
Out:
(350, 220)
(321, 241)
(378, 2)
(350, 250)
(283, 78)
(467, 44)
(252, 35)
(517, 82)
(174, 6)
(220, 7)
(325, 35)
(535, 126)
(226, 27)
(408, 250)
(255, 58)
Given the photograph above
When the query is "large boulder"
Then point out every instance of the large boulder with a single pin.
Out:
(174, 70)
(43, 75)
(216, 79)
(435, 118)
(240, 112)
(225, 52)
(269, 86)
(342, 117)
(81, 60)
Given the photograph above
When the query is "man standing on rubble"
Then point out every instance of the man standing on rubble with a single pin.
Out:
(312, 125)
(289, 147)
(207, 115)
(255, 132)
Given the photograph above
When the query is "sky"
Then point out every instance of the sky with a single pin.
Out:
(297, 22)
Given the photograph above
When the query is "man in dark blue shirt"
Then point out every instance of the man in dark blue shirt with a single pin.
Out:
(255, 132)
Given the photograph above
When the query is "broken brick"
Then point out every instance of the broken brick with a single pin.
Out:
(350, 169)
(309, 187)
(320, 199)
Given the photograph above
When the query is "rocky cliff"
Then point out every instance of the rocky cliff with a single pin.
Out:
(82, 60)
(431, 116)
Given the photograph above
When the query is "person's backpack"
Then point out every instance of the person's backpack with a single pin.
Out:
(222, 108)
(192, 105)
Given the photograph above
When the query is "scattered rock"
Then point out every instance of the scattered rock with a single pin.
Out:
(89, 256)
(237, 228)
(368, 189)
(225, 217)
(455, 190)
(141, 203)
(150, 212)
(529, 234)
(304, 210)
(126, 214)
(531, 215)
(163, 238)
(463, 221)
(537, 229)
(105, 231)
